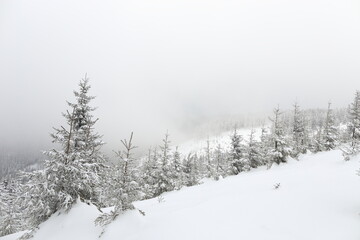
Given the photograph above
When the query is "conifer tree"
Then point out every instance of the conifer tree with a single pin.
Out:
(252, 154)
(208, 160)
(298, 132)
(317, 143)
(353, 126)
(10, 219)
(265, 146)
(354, 118)
(191, 170)
(177, 169)
(125, 183)
(164, 181)
(220, 167)
(330, 135)
(236, 155)
(127, 178)
(280, 150)
(71, 172)
(149, 173)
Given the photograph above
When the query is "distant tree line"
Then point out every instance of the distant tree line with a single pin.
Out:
(79, 171)
(11, 161)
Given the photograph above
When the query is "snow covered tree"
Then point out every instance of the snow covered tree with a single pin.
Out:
(317, 144)
(265, 146)
(71, 172)
(298, 132)
(208, 160)
(149, 174)
(165, 182)
(354, 118)
(280, 150)
(10, 219)
(125, 183)
(74, 170)
(330, 134)
(252, 153)
(37, 200)
(128, 174)
(177, 169)
(220, 166)
(237, 163)
(353, 126)
(191, 170)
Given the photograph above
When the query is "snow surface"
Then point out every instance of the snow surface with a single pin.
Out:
(318, 198)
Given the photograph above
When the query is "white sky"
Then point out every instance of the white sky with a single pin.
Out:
(159, 64)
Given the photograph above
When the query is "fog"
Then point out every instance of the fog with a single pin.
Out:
(170, 65)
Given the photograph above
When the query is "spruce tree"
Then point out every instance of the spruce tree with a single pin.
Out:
(353, 127)
(71, 172)
(317, 144)
(265, 146)
(191, 170)
(298, 132)
(149, 174)
(208, 160)
(125, 187)
(220, 166)
(280, 150)
(330, 135)
(177, 169)
(354, 118)
(252, 154)
(164, 182)
(10, 218)
(236, 159)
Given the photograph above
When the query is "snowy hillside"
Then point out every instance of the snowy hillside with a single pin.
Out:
(317, 199)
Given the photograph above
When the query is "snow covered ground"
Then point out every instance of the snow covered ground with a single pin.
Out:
(318, 198)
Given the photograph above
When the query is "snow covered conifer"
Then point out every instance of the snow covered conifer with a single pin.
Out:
(354, 117)
(75, 169)
(127, 177)
(10, 220)
(37, 199)
(149, 174)
(191, 170)
(71, 172)
(298, 132)
(237, 163)
(208, 160)
(177, 169)
(252, 153)
(280, 150)
(125, 188)
(265, 146)
(353, 126)
(220, 166)
(317, 144)
(165, 182)
(330, 134)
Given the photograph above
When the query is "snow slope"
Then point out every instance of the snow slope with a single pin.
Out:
(318, 198)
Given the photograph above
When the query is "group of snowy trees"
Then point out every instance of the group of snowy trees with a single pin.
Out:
(77, 170)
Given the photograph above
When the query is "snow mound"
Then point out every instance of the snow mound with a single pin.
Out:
(317, 198)
(78, 223)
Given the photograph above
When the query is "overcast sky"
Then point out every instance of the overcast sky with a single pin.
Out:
(156, 65)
